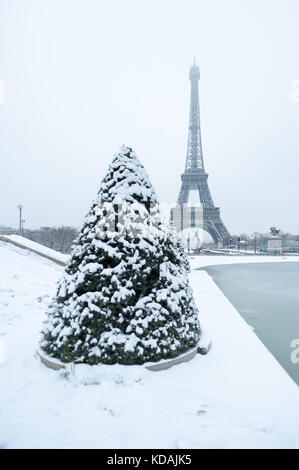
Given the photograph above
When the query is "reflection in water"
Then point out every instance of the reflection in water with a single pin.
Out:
(267, 296)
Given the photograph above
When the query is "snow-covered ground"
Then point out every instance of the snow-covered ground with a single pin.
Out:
(236, 396)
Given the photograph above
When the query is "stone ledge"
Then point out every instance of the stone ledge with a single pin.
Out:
(50, 362)
(55, 364)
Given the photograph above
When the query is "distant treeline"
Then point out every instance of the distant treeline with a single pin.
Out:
(61, 238)
(57, 238)
(261, 239)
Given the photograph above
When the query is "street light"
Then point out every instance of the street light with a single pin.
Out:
(23, 222)
(20, 207)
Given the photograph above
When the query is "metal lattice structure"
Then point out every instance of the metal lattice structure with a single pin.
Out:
(194, 176)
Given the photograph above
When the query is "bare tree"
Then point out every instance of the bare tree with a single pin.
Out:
(58, 238)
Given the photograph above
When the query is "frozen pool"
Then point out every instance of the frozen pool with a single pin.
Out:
(267, 296)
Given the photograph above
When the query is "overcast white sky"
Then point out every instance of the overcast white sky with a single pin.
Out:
(85, 76)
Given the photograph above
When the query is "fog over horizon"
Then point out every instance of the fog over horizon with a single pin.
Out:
(84, 77)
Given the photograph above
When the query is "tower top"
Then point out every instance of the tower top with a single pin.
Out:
(194, 159)
(194, 71)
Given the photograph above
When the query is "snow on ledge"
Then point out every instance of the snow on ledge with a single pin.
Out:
(37, 248)
(200, 261)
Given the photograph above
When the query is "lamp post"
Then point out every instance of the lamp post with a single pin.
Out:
(20, 207)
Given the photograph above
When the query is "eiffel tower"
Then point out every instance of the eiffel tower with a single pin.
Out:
(196, 178)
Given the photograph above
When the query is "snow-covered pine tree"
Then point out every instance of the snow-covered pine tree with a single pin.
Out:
(124, 297)
(185, 260)
(181, 253)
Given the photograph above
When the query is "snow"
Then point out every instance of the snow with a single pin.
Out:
(236, 396)
(38, 247)
(128, 173)
(197, 262)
